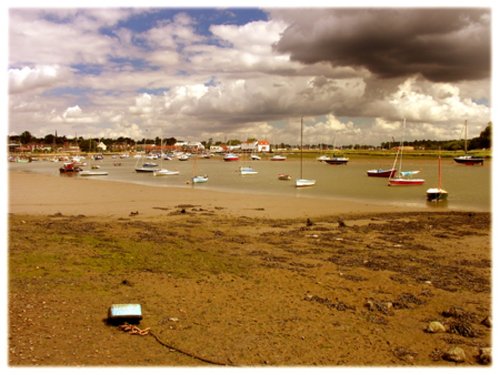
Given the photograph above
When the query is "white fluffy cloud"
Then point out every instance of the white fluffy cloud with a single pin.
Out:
(170, 78)
(27, 78)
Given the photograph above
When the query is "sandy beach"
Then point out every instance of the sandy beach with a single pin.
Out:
(238, 280)
(31, 193)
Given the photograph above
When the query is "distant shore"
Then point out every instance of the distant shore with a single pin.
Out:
(31, 193)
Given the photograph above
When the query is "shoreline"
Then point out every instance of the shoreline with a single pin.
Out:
(31, 193)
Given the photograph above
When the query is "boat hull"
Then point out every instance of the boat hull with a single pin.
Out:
(199, 179)
(302, 182)
(469, 160)
(231, 157)
(406, 181)
(435, 194)
(92, 173)
(381, 172)
(336, 161)
(164, 172)
(146, 170)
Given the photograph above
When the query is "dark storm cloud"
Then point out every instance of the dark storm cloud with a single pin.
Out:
(444, 45)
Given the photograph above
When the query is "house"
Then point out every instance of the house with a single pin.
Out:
(263, 146)
(256, 146)
(102, 147)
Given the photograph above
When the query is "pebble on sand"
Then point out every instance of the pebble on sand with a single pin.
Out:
(435, 327)
(454, 354)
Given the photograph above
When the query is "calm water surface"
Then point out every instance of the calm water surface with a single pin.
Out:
(469, 187)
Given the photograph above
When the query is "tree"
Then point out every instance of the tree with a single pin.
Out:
(25, 137)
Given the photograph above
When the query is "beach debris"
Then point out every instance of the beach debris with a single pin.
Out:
(134, 330)
(455, 354)
(309, 222)
(124, 313)
(484, 356)
(383, 307)
(435, 327)
(461, 328)
(486, 322)
(338, 305)
(134, 213)
(404, 354)
(126, 282)
(341, 223)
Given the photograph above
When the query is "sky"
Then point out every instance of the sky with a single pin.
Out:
(226, 73)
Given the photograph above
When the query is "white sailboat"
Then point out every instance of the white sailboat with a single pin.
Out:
(437, 194)
(303, 182)
(163, 171)
(403, 178)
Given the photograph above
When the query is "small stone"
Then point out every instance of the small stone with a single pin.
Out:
(455, 354)
(484, 356)
(435, 327)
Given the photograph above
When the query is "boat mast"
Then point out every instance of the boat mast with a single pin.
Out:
(465, 140)
(301, 131)
(401, 147)
(439, 170)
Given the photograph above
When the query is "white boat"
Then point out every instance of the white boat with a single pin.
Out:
(254, 157)
(437, 194)
(403, 178)
(231, 157)
(92, 173)
(247, 171)
(278, 158)
(164, 172)
(302, 182)
(199, 179)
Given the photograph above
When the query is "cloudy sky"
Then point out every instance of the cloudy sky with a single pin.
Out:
(224, 73)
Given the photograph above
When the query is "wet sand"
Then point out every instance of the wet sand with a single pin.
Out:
(31, 193)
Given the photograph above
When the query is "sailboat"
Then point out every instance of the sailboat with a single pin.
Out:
(336, 160)
(197, 178)
(163, 171)
(468, 159)
(303, 182)
(404, 178)
(147, 167)
(437, 194)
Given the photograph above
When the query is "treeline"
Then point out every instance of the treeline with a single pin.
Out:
(90, 144)
(477, 143)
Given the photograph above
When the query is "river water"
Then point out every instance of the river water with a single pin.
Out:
(469, 187)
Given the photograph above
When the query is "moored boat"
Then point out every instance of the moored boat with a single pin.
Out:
(199, 179)
(303, 182)
(437, 194)
(404, 178)
(468, 159)
(336, 160)
(247, 170)
(147, 168)
(164, 172)
(231, 157)
(278, 158)
(381, 172)
(92, 173)
(69, 167)
(284, 177)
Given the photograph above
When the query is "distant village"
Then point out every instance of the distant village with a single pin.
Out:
(50, 144)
